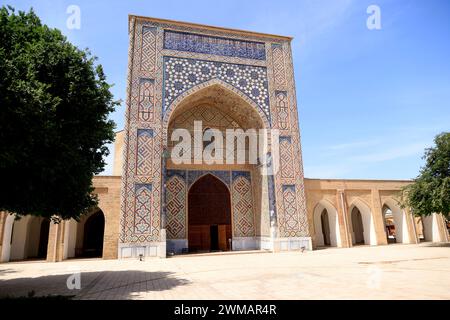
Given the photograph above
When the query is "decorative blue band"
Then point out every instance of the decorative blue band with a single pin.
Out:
(237, 174)
(171, 173)
(193, 176)
(190, 42)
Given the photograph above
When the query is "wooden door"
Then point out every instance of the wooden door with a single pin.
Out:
(223, 241)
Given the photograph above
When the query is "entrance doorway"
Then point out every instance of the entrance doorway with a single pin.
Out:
(325, 227)
(43, 239)
(209, 215)
(93, 235)
(357, 225)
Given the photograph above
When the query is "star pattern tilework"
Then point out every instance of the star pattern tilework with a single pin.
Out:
(182, 74)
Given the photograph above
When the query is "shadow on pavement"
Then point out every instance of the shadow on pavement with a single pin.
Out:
(93, 285)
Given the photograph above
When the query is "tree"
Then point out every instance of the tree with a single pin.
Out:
(430, 191)
(54, 107)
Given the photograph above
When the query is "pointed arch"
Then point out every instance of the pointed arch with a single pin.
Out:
(168, 113)
(209, 214)
(368, 225)
(399, 219)
(223, 176)
(333, 223)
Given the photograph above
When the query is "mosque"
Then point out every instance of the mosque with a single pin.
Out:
(181, 74)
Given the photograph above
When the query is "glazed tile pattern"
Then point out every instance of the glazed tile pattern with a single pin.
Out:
(145, 150)
(160, 76)
(243, 217)
(177, 186)
(143, 208)
(146, 99)
(182, 41)
(290, 221)
(176, 207)
(282, 108)
(183, 74)
(287, 169)
(278, 64)
(194, 175)
(148, 51)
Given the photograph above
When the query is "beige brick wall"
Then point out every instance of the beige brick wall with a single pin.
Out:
(108, 190)
(372, 193)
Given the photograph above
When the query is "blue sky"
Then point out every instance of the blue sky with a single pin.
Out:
(369, 101)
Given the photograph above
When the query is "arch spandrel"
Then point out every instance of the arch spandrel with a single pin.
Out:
(219, 93)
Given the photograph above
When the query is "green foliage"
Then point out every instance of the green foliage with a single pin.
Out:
(430, 191)
(54, 107)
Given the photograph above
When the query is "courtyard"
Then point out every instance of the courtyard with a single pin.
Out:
(417, 271)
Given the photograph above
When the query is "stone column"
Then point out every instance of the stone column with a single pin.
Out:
(411, 225)
(377, 216)
(443, 233)
(343, 219)
(55, 248)
(3, 216)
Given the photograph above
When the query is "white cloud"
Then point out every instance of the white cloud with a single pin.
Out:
(391, 153)
(354, 145)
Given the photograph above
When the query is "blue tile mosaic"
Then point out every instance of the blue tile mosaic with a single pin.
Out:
(181, 74)
(190, 42)
(224, 176)
(237, 174)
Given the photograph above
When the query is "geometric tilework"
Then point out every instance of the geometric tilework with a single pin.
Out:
(278, 65)
(177, 186)
(146, 99)
(242, 203)
(152, 89)
(287, 169)
(194, 175)
(182, 74)
(176, 207)
(282, 107)
(289, 226)
(183, 41)
(142, 211)
(144, 151)
(148, 50)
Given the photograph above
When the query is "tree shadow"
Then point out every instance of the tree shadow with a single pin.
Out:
(93, 285)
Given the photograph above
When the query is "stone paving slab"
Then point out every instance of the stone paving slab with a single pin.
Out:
(382, 272)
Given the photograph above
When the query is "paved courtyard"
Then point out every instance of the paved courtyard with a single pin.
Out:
(383, 272)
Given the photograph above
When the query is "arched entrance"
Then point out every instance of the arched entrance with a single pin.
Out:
(357, 227)
(28, 238)
(363, 227)
(212, 109)
(43, 239)
(209, 215)
(93, 235)
(84, 239)
(389, 225)
(326, 225)
(395, 221)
